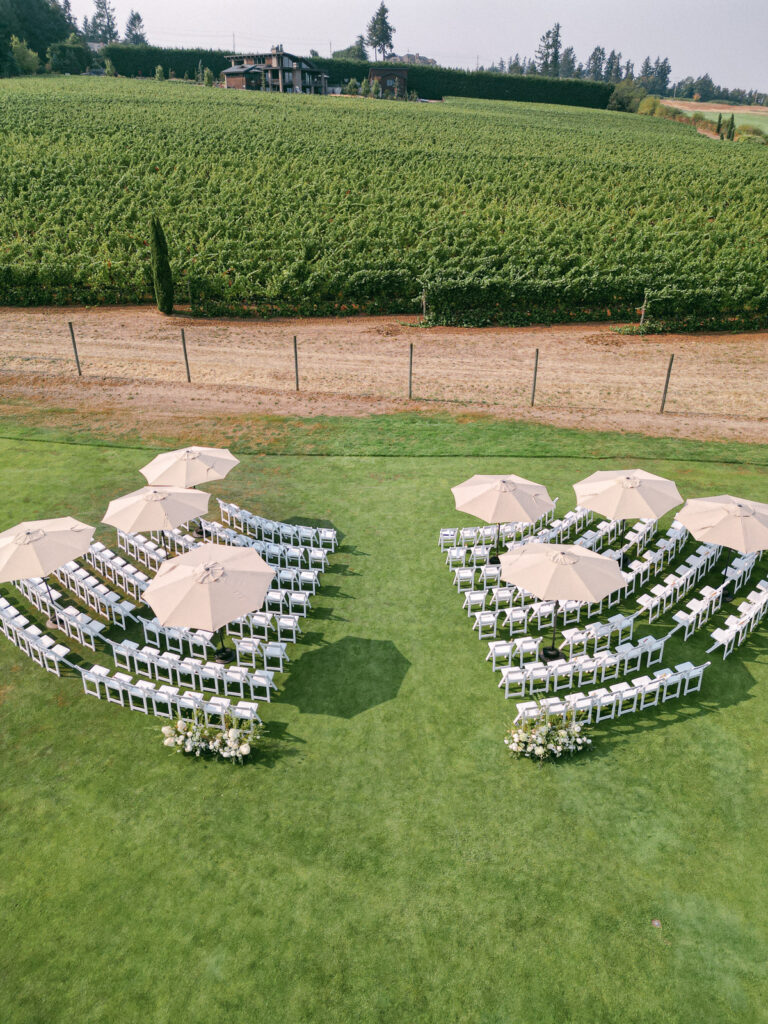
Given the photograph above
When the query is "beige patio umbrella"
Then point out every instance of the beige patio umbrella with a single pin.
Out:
(187, 467)
(731, 522)
(561, 572)
(40, 547)
(502, 499)
(209, 586)
(156, 508)
(627, 494)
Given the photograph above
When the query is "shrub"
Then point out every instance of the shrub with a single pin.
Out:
(109, 69)
(159, 75)
(648, 105)
(27, 60)
(72, 57)
(627, 96)
(208, 77)
(162, 276)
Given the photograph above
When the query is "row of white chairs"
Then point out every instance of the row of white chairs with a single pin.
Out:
(737, 628)
(678, 583)
(70, 620)
(600, 634)
(617, 700)
(541, 677)
(262, 625)
(196, 641)
(31, 640)
(250, 652)
(118, 570)
(469, 536)
(289, 556)
(699, 609)
(270, 529)
(95, 593)
(143, 549)
(214, 677)
(164, 701)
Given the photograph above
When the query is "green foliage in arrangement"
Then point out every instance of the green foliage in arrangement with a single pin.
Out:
(162, 275)
(305, 205)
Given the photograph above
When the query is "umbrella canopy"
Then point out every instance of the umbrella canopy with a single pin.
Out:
(502, 499)
(155, 508)
(209, 586)
(627, 494)
(188, 467)
(39, 548)
(731, 522)
(561, 572)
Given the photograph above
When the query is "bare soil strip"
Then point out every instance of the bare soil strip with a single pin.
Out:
(589, 377)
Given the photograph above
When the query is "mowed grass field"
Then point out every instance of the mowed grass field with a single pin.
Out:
(382, 859)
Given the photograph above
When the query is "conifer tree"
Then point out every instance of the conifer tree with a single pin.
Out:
(161, 268)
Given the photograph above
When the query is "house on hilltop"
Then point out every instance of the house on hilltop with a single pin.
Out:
(276, 71)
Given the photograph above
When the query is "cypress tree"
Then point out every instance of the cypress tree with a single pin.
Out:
(731, 127)
(719, 124)
(161, 269)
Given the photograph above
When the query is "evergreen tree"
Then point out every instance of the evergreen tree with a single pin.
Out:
(85, 31)
(661, 72)
(356, 51)
(104, 23)
(27, 61)
(515, 66)
(135, 34)
(568, 63)
(161, 268)
(731, 127)
(612, 70)
(719, 128)
(66, 10)
(380, 32)
(629, 70)
(595, 64)
(548, 52)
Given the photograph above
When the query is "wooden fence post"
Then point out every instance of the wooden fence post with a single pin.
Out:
(296, 361)
(74, 346)
(186, 359)
(410, 373)
(535, 375)
(666, 383)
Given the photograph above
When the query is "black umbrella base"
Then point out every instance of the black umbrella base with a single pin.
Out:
(551, 653)
(224, 657)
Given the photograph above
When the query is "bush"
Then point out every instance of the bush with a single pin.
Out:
(627, 96)
(648, 105)
(27, 60)
(72, 57)
(159, 76)
(208, 77)
(109, 69)
(161, 269)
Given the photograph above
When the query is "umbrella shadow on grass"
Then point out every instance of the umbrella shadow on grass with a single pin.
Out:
(345, 678)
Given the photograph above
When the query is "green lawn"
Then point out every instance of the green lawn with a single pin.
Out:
(383, 859)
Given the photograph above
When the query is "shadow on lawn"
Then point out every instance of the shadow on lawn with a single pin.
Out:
(276, 743)
(345, 678)
(720, 690)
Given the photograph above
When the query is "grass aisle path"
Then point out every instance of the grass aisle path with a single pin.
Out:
(383, 861)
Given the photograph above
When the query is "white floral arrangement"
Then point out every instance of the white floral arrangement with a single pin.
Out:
(193, 736)
(545, 740)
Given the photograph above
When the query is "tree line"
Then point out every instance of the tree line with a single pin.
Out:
(44, 33)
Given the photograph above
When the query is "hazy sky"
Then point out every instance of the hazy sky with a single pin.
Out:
(727, 38)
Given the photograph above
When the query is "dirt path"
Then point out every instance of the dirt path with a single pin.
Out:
(588, 376)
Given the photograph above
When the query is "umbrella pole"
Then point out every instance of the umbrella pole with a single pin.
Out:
(53, 621)
(552, 653)
(223, 653)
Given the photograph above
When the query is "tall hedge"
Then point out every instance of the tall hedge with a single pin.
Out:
(431, 83)
(135, 61)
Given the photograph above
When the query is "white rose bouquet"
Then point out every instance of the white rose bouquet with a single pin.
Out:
(192, 736)
(545, 740)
